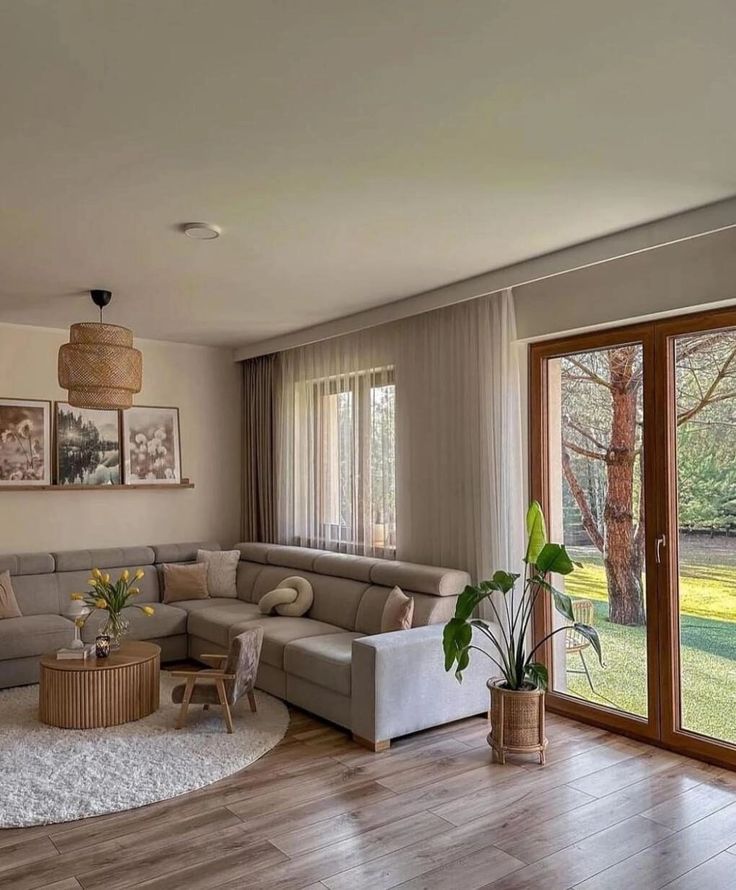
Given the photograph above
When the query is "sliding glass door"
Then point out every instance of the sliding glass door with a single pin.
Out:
(634, 458)
(593, 415)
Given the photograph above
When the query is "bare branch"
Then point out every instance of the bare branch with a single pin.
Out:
(584, 452)
(588, 373)
(585, 434)
(709, 397)
(589, 523)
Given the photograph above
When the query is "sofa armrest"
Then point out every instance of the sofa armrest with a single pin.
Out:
(399, 685)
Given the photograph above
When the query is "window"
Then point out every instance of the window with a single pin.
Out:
(349, 482)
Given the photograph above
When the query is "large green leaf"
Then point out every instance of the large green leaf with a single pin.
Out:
(468, 600)
(554, 558)
(591, 634)
(463, 660)
(562, 602)
(537, 673)
(456, 638)
(505, 580)
(536, 532)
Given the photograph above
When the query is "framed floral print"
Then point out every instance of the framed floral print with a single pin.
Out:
(25, 442)
(151, 446)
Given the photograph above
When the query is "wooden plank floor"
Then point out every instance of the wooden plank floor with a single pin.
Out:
(318, 812)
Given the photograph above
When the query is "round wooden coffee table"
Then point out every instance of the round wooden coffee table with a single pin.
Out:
(100, 692)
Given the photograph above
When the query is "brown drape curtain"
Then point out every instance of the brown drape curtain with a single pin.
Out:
(259, 519)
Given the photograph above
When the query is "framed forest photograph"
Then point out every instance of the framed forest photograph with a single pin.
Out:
(87, 446)
(25, 442)
(151, 445)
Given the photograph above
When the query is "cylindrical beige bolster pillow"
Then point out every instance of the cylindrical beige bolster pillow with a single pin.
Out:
(293, 597)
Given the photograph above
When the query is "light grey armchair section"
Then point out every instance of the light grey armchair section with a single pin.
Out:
(399, 685)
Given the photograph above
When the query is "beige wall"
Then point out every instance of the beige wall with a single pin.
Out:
(203, 383)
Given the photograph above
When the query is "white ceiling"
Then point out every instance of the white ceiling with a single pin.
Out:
(354, 152)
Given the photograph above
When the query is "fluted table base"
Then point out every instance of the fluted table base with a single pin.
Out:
(104, 692)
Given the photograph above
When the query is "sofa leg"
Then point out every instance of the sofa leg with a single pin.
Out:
(376, 747)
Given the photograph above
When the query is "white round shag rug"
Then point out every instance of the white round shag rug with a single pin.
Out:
(52, 775)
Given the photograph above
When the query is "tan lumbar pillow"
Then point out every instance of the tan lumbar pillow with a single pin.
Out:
(398, 611)
(293, 597)
(8, 603)
(185, 582)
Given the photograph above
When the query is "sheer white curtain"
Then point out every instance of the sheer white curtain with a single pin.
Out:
(336, 444)
(459, 450)
(405, 440)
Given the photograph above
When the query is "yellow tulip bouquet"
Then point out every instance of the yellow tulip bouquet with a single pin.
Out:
(112, 598)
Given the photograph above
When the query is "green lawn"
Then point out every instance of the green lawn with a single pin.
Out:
(708, 646)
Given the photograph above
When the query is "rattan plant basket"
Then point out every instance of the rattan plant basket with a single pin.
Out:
(517, 721)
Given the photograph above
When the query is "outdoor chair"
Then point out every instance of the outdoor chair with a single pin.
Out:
(575, 642)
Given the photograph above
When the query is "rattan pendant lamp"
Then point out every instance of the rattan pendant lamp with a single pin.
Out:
(99, 366)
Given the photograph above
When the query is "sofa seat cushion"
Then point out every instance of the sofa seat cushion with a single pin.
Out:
(324, 660)
(166, 621)
(213, 623)
(207, 603)
(279, 631)
(33, 635)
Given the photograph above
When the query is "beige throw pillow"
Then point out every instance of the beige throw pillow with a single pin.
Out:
(398, 611)
(185, 582)
(8, 603)
(222, 571)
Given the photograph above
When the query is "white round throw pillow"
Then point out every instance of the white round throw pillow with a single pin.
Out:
(293, 597)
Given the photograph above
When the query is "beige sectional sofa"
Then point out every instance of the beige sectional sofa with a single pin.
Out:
(333, 661)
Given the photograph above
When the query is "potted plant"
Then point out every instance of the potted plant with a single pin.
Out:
(517, 696)
(112, 598)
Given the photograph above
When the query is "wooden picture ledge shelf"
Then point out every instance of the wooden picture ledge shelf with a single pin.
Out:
(152, 486)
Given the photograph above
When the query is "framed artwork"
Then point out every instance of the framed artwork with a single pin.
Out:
(25, 442)
(87, 446)
(151, 445)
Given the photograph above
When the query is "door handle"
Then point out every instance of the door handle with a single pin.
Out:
(660, 543)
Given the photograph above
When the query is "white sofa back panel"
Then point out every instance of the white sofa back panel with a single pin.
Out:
(336, 600)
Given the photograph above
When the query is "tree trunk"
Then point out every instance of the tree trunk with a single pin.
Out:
(622, 553)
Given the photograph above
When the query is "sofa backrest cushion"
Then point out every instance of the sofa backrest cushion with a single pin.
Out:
(167, 553)
(336, 600)
(33, 581)
(433, 580)
(248, 572)
(73, 569)
(351, 591)
(427, 609)
(103, 558)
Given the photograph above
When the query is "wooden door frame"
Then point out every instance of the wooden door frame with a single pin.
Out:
(647, 728)
(673, 735)
(663, 725)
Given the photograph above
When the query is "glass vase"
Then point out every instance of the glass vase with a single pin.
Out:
(115, 627)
